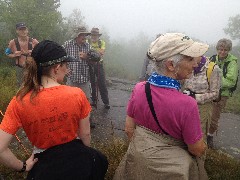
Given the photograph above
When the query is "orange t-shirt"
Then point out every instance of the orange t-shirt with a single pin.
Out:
(51, 119)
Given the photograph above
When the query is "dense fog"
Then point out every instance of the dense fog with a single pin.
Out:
(202, 19)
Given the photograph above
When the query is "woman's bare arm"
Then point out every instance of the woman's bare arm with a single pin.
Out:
(129, 127)
(8, 158)
(198, 148)
(84, 131)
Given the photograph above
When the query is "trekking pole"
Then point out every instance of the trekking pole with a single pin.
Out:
(97, 83)
(19, 141)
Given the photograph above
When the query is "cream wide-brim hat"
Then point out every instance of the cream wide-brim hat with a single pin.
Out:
(170, 44)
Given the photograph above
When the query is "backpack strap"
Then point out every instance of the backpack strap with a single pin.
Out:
(99, 43)
(210, 70)
(30, 43)
(30, 47)
(18, 49)
(149, 99)
(213, 58)
(17, 44)
(89, 41)
(225, 66)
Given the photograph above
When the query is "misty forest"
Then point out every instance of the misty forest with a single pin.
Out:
(123, 59)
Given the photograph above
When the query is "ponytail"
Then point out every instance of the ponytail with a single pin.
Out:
(31, 79)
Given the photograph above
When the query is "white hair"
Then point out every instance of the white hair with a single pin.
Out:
(160, 65)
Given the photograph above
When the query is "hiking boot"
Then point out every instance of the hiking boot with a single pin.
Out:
(106, 106)
(92, 126)
(210, 142)
(93, 104)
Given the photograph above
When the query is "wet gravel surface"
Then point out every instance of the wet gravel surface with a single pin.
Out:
(227, 139)
(110, 122)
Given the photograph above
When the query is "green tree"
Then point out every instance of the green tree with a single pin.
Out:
(233, 27)
(41, 16)
(74, 20)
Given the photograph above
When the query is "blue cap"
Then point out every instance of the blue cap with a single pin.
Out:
(21, 25)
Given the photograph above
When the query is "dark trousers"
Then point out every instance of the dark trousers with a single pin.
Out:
(97, 79)
(69, 161)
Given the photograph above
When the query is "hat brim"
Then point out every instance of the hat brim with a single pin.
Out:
(59, 60)
(21, 27)
(88, 33)
(96, 34)
(195, 50)
(75, 35)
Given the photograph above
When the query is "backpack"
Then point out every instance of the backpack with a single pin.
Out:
(210, 70)
(225, 66)
(18, 45)
(211, 66)
(19, 48)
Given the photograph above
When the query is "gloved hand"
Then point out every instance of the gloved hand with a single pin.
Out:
(189, 93)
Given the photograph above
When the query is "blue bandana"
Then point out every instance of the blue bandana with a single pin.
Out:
(164, 81)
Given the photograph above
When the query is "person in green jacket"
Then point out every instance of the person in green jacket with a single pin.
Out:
(228, 64)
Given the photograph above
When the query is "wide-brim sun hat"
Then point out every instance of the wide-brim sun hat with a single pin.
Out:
(95, 31)
(170, 44)
(80, 30)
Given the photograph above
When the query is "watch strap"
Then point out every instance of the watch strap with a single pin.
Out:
(24, 167)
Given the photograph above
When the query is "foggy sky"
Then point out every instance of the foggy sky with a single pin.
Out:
(201, 19)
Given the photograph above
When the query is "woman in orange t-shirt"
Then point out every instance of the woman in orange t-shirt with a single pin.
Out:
(55, 119)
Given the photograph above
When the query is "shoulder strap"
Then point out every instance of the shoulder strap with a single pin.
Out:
(30, 43)
(225, 66)
(89, 41)
(210, 70)
(213, 58)
(149, 99)
(17, 44)
(99, 43)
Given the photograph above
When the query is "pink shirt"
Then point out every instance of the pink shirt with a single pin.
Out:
(177, 113)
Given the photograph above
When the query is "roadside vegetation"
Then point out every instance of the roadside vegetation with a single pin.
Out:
(219, 166)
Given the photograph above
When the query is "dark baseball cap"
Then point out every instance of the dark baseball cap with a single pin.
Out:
(47, 53)
(21, 25)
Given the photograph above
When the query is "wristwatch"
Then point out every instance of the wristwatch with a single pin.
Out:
(24, 167)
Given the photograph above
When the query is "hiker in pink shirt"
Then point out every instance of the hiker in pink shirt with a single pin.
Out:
(162, 124)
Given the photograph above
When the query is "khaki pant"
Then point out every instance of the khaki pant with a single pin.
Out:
(205, 111)
(152, 156)
(217, 109)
